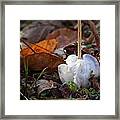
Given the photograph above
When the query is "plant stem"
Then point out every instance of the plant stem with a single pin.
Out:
(26, 75)
(79, 38)
(41, 73)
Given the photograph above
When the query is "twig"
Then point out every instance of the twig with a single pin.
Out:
(22, 39)
(24, 96)
(79, 38)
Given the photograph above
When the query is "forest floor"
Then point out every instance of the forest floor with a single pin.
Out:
(45, 45)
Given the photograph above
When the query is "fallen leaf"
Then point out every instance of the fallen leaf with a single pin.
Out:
(47, 88)
(37, 31)
(39, 61)
(43, 85)
(95, 33)
(46, 46)
(63, 36)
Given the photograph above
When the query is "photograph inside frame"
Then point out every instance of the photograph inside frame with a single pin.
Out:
(59, 59)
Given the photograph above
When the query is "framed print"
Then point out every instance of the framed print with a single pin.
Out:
(60, 59)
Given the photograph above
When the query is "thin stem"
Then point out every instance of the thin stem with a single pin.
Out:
(41, 73)
(79, 38)
(26, 75)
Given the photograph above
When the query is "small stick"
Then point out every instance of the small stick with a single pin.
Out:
(22, 39)
(79, 38)
(24, 96)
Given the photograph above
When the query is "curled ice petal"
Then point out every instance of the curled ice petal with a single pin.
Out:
(93, 64)
(64, 73)
(71, 59)
(79, 70)
(82, 74)
(84, 67)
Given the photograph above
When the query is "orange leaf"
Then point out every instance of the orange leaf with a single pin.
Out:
(47, 46)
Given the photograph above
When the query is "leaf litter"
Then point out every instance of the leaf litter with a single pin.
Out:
(39, 60)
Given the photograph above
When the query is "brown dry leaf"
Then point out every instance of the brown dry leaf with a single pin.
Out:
(39, 61)
(44, 85)
(37, 30)
(95, 32)
(64, 37)
(46, 46)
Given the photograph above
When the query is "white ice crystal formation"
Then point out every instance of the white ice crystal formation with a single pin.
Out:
(79, 70)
